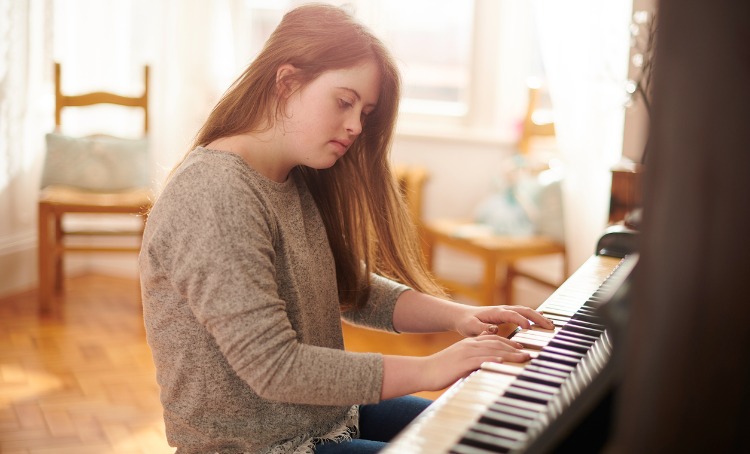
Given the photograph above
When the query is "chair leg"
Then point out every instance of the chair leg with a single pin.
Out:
(44, 259)
(428, 250)
(510, 274)
(489, 282)
(57, 254)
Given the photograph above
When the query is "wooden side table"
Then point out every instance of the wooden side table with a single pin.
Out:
(496, 252)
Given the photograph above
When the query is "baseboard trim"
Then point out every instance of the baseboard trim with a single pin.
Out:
(18, 264)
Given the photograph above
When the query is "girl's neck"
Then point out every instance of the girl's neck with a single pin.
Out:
(259, 151)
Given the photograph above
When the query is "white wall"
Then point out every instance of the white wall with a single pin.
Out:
(461, 171)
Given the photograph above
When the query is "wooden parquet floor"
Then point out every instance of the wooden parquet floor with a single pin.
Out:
(83, 381)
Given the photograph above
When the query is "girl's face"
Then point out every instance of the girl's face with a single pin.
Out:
(322, 119)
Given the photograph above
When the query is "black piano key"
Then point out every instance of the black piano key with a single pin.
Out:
(496, 418)
(566, 337)
(563, 352)
(514, 410)
(594, 320)
(590, 304)
(522, 382)
(520, 403)
(566, 368)
(492, 442)
(565, 345)
(554, 359)
(502, 432)
(581, 329)
(466, 449)
(587, 310)
(541, 378)
(534, 366)
(585, 327)
(559, 359)
(582, 337)
(527, 394)
(595, 326)
(503, 436)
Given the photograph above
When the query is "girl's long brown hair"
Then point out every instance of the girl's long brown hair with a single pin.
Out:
(368, 225)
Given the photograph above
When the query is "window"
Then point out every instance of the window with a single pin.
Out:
(449, 53)
(432, 42)
(433, 50)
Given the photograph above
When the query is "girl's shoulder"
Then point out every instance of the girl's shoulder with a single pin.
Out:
(212, 173)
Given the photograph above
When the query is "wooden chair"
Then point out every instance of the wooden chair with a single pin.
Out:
(57, 201)
(498, 254)
(411, 180)
(537, 123)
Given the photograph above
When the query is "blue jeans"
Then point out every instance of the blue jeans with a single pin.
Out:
(378, 424)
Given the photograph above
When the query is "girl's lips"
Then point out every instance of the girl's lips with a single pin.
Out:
(341, 145)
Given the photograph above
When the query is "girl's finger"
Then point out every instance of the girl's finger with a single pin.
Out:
(532, 315)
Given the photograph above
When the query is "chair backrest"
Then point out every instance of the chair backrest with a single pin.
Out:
(99, 97)
(97, 162)
(411, 180)
(535, 122)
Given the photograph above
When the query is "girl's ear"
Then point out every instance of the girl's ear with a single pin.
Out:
(285, 85)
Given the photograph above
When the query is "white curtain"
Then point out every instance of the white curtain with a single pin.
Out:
(194, 43)
(194, 47)
(25, 114)
(585, 46)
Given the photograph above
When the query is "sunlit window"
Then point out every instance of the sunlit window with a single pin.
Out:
(430, 39)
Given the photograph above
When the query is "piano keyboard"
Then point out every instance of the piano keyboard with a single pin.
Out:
(503, 407)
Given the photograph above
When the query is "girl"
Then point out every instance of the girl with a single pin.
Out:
(284, 217)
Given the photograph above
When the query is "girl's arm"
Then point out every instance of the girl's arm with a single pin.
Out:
(409, 374)
(417, 312)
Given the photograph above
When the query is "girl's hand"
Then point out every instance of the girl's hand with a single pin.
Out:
(467, 355)
(484, 320)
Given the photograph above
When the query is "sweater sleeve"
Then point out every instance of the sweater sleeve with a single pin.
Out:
(216, 246)
(378, 312)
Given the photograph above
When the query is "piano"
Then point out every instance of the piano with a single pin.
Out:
(533, 407)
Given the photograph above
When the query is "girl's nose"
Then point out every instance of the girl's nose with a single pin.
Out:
(354, 124)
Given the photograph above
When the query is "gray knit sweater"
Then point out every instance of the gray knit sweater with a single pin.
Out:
(242, 313)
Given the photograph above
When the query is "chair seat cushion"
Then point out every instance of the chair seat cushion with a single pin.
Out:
(96, 163)
(131, 201)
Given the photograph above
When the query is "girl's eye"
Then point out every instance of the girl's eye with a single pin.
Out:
(344, 104)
